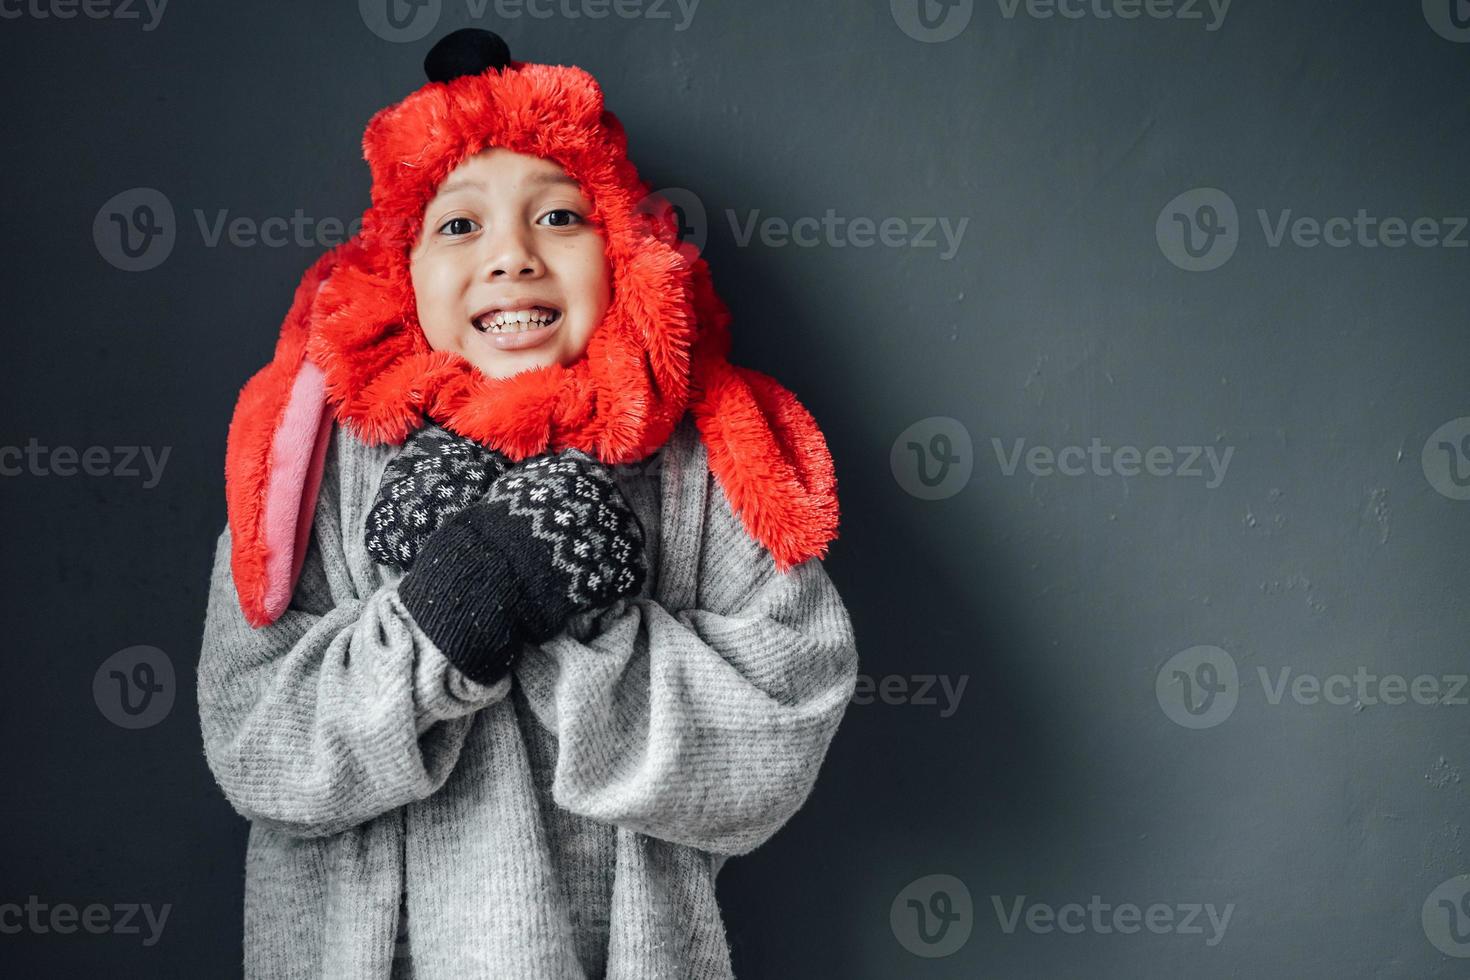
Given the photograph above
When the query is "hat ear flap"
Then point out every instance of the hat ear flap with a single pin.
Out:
(274, 459)
(298, 457)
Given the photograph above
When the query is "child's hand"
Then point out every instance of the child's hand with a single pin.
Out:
(436, 475)
(594, 541)
(552, 538)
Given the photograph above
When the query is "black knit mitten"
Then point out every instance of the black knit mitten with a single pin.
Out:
(552, 538)
(436, 475)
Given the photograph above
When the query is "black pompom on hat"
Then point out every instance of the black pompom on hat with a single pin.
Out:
(467, 51)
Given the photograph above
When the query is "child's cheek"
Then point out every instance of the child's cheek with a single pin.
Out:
(433, 302)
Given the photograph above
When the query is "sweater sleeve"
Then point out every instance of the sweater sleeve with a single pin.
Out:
(703, 726)
(340, 710)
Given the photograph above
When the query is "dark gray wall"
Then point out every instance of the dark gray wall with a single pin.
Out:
(1122, 739)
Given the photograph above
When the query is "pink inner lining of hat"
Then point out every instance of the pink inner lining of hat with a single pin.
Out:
(297, 454)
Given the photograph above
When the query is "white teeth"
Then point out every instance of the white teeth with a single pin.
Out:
(515, 321)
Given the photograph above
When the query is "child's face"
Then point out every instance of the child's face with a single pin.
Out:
(508, 231)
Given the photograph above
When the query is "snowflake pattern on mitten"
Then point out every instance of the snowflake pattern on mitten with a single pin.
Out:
(571, 502)
(437, 475)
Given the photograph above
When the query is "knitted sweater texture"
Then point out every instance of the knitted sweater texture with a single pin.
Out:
(568, 821)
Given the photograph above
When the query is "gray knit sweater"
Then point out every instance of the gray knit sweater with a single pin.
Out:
(568, 821)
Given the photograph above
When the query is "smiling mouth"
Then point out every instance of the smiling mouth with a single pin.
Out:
(507, 322)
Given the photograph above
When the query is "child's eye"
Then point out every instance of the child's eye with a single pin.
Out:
(457, 221)
(572, 216)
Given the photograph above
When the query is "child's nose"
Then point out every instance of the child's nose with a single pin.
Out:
(510, 254)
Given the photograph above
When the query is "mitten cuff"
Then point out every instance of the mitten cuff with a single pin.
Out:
(463, 593)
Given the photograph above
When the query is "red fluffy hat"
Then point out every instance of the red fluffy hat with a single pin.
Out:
(351, 348)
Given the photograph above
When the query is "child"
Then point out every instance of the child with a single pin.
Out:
(518, 628)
